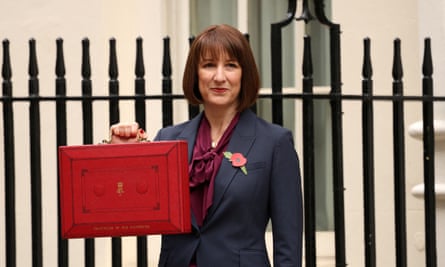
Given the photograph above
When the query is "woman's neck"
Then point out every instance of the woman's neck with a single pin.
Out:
(219, 121)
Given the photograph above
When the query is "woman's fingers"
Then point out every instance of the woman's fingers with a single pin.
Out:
(125, 129)
(124, 132)
(123, 140)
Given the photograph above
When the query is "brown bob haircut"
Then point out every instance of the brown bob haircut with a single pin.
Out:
(217, 40)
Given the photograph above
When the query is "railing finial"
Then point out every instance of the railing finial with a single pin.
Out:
(291, 10)
(320, 13)
(427, 66)
(33, 69)
(6, 67)
(367, 65)
(139, 68)
(112, 68)
(306, 14)
(60, 61)
(397, 68)
(86, 64)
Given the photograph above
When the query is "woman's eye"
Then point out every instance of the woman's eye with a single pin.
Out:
(208, 65)
(232, 65)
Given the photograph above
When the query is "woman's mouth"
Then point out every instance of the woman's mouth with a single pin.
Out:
(219, 89)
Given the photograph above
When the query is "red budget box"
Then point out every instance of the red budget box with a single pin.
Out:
(124, 189)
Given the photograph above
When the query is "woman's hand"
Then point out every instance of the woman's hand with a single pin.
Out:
(126, 132)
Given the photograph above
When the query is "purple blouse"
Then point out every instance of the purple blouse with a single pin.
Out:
(204, 166)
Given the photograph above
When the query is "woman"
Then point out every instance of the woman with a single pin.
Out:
(243, 170)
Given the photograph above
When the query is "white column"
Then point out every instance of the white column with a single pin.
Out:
(416, 131)
(432, 24)
(243, 16)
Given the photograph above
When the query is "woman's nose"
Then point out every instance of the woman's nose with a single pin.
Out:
(219, 74)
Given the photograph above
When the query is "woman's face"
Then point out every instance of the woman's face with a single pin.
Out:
(219, 81)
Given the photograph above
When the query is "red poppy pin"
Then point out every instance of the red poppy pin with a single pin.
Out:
(238, 160)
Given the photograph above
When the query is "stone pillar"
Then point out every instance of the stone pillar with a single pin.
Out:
(416, 131)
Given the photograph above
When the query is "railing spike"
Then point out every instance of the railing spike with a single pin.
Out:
(140, 111)
(429, 157)
(113, 89)
(6, 67)
(397, 69)
(9, 155)
(247, 36)
(60, 62)
(167, 104)
(139, 67)
(307, 57)
(427, 67)
(33, 69)
(86, 65)
(166, 62)
(87, 120)
(367, 65)
(191, 39)
(139, 90)
(113, 69)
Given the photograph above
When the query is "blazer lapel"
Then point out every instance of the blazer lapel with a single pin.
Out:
(241, 141)
(189, 134)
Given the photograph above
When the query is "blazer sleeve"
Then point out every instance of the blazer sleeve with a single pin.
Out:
(286, 204)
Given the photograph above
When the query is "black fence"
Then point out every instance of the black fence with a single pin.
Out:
(307, 97)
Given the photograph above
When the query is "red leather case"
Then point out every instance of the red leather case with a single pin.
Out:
(124, 189)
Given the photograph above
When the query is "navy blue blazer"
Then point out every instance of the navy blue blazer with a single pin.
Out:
(233, 233)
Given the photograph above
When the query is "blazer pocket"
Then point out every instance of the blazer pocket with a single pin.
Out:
(253, 258)
(255, 165)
